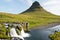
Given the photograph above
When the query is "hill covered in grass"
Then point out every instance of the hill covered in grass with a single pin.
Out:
(39, 16)
(36, 15)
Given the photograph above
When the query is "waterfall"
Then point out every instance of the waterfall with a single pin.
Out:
(14, 34)
(23, 34)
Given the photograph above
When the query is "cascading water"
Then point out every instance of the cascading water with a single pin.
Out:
(23, 34)
(14, 34)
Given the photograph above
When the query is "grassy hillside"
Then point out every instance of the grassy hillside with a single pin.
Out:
(37, 17)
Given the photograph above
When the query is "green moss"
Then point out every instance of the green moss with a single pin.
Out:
(55, 36)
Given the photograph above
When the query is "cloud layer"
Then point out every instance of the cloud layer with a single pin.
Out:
(53, 6)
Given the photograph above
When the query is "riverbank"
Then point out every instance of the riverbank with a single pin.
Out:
(46, 26)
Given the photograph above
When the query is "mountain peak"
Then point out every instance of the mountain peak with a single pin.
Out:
(35, 6)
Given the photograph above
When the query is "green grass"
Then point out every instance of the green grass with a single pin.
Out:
(55, 36)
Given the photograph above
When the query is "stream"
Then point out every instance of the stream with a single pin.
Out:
(42, 34)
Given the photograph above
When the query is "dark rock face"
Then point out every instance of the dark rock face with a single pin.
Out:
(35, 6)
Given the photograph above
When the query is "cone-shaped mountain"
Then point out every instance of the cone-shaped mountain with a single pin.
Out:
(35, 6)
(37, 9)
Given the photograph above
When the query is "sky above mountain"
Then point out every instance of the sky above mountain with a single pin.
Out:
(18, 6)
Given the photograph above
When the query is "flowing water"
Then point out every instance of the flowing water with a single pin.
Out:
(42, 34)
(35, 34)
(14, 34)
(23, 34)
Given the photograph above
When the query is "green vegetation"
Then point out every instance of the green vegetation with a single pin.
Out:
(37, 17)
(3, 32)
(55, 36)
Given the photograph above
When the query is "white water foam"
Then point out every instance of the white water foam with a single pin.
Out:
(14, 34)
(23, 34)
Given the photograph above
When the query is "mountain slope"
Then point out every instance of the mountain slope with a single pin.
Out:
(37, 8)
(39, 16)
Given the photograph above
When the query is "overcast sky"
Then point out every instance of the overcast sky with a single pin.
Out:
(18, 6)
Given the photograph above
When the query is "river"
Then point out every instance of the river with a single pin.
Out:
(42, 34)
